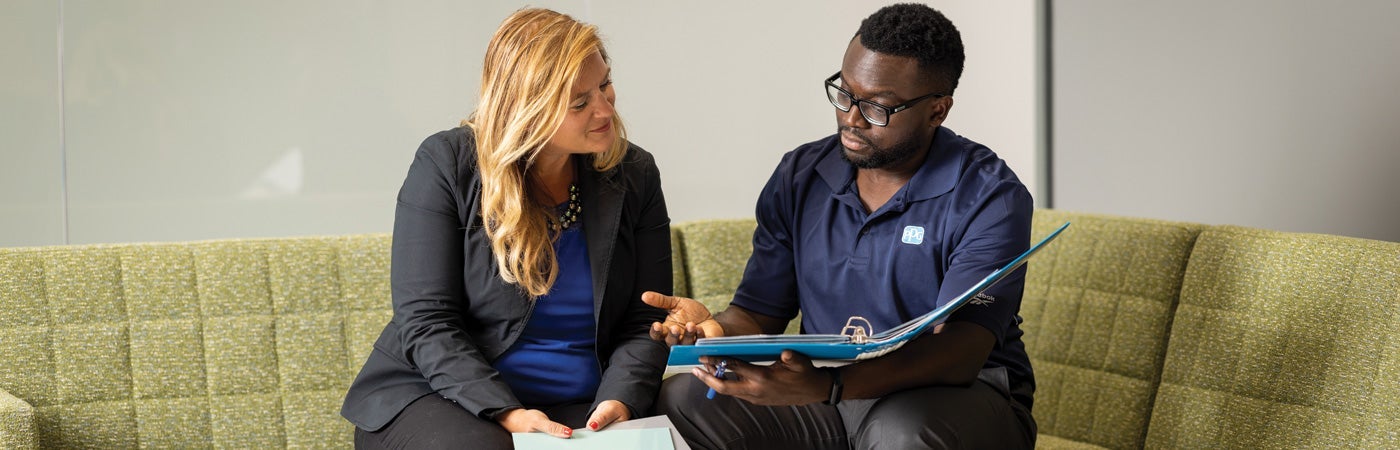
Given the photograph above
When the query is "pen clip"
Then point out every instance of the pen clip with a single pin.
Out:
(858, 333)
(719, 373)
(721, 368)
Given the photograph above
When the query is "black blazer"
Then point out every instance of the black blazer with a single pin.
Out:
(453, 315)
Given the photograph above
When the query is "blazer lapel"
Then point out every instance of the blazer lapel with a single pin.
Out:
(602, 212)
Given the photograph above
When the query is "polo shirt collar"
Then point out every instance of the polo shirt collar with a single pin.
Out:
(936, 177)
(941, 168)
(834, 170)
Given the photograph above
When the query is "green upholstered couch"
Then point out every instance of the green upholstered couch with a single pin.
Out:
(222, 344)
(1142, 332)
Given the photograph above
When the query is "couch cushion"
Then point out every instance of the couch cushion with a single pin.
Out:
(16, 423)
(232, 343)
(1283, 340)
(1098, 303)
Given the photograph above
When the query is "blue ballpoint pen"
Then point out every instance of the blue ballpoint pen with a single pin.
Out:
(719, 373)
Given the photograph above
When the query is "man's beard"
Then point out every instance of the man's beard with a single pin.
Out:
(879, 157)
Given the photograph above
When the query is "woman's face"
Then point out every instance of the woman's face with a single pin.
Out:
(587, 125)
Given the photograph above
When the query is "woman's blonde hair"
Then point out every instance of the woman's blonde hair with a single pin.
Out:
(531, 64)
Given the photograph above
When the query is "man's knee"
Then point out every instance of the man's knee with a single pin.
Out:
(678, 393)
(943, 417)
(906, 431)
(679, 401)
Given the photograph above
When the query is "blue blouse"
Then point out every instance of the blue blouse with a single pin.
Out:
(555, 359)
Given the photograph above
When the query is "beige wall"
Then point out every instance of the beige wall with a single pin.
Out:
(1273, 114)
(175, 120)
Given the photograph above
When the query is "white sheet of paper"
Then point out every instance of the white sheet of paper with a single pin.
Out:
(653, 422)
(649, 433)
(639, 439)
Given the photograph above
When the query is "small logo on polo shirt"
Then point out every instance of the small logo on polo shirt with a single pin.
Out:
(982, 299)
(913, 235)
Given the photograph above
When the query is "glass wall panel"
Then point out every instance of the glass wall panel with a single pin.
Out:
(193, 120)
(177, 120)
(31, 176)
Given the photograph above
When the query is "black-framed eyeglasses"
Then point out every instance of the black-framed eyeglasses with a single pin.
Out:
(875, 113)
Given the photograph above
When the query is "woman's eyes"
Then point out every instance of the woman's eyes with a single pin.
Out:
(584, 103)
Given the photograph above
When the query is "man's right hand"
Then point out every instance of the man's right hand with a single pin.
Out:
(686, 320)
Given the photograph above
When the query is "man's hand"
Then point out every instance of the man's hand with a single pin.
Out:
(531, 421)
(686, 320)
(791, 380)
(608, 413)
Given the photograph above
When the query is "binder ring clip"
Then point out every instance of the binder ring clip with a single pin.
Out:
(855, 330)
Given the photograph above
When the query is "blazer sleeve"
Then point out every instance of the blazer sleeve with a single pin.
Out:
(634, 369)
(429, 298)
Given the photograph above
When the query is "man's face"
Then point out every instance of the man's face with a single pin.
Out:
(887, 80)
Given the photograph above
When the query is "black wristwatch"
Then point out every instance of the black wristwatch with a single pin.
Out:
(836, 385)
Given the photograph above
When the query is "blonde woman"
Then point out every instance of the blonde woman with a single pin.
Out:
(522, 243)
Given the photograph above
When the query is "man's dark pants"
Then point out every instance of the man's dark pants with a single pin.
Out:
(982, 415)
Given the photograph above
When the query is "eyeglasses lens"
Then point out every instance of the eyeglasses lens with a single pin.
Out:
(838, 98)
(874, 114)
(842, 101)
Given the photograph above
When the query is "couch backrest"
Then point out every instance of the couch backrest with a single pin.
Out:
(680, 279)
(712, 255)
(1283, 340)
(1098, 305)
(235, 343)
(709, 257)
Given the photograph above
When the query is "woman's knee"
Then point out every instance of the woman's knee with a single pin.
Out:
(433, 422)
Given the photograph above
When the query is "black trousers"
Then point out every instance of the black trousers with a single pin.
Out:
(434, 422)
(979, 416)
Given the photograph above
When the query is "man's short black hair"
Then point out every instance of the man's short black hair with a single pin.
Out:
(920, 32)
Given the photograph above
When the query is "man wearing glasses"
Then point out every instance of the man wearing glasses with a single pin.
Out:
(886, 219)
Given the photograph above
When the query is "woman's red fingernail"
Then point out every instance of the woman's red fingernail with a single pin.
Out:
(593, 425)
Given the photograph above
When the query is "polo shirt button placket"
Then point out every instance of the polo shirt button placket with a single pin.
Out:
(860, 254)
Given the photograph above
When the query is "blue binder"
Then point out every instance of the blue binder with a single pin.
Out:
(855, 341)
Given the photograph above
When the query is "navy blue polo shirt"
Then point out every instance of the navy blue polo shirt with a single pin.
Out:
(963, 215)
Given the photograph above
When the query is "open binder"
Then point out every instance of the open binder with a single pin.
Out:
(856, 341)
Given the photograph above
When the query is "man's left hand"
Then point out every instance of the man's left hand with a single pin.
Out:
(791, 380)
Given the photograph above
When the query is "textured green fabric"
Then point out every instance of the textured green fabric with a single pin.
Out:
(217, 344)
(713, 255)
(1097, 306)
(16, 423)
(1051, 442)
(1283, 340)
(679, 279)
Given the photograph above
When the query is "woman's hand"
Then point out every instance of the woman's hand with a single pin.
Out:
(531, 421)
(608, 412)
(686, 320)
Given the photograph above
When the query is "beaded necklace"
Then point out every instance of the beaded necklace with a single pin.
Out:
(569, 216)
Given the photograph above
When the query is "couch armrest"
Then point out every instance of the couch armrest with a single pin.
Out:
(17, 428)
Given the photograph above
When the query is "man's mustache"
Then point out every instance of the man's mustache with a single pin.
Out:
(856, 133)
